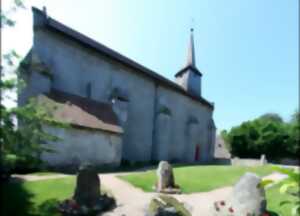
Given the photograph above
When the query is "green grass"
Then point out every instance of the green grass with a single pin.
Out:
(197, 178)
(35, 197)
(274, 198)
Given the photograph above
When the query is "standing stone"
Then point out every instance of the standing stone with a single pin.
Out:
(87, 198)
(247, 198)
(165, 176)
(263, 160)
(87, 190)
(165, 179)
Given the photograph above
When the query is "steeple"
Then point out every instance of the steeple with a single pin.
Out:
(191, 61)
(189, 77)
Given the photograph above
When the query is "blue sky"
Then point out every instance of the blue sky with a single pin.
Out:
(247, 50)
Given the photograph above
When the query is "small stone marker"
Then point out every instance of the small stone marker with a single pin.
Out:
(263, 160)
(165, 177)
(87, 198)
(87, 190)
(247, 198)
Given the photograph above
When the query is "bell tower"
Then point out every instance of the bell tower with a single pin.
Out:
(189, 77)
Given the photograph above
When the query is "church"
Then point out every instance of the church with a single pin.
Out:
(117, 109)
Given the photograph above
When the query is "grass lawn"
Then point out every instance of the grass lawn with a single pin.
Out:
(36, 197)
(197, 178)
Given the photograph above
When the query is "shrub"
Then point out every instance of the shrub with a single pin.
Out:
(291, 187)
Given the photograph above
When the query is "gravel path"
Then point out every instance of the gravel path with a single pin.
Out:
(131, 201)
(38, 177)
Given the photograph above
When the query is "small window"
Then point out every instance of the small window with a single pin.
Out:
(119, 94)
(123, 99)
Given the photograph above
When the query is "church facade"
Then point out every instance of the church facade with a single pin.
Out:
(152, 117)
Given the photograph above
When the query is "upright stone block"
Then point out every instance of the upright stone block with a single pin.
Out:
(165, 179)
(247, 198)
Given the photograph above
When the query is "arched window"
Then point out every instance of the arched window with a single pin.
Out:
(163, 130)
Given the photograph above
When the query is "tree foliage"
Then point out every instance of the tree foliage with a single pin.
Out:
(22, 133)
(268, 135)
(274, 117)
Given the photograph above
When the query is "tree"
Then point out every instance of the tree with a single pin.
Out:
(293, 128)
(295, 117)
(268, 135)
(273, 117)
(22, 133)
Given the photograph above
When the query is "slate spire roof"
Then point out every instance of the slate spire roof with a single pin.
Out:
(191, 61)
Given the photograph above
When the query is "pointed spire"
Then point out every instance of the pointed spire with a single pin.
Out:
(191, 61)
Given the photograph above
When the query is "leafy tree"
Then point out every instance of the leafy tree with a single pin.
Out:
(268, 135)
(293, 128)
(22, 128)
(296, 117)
(274, 117)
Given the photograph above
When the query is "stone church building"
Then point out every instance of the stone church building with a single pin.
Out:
(117, 108)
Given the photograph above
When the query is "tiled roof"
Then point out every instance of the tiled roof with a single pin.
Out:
(80, 111)
(220, 148)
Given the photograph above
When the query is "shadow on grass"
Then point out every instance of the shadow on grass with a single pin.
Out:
(271, 213)
(17, 200)
(48, 208)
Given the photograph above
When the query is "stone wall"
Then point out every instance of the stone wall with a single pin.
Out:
(247, 162)
(79, 145)
(75, 66)
(289, 161)
(36, 83)
(185, 112)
